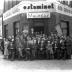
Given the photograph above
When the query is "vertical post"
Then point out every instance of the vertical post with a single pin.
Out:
(2, 28)
(2, 20)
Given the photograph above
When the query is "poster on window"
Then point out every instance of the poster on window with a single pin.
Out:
(64, 32)
(63, 25)
(58, 29)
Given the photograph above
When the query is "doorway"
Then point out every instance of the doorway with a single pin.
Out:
(39, 25)
(39, 29)
(15, 28)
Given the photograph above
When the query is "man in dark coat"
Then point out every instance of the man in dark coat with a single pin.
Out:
(19, 47)
(58, 49)
(26, 46)
(2, 46)
(68, 48)
(55, 49)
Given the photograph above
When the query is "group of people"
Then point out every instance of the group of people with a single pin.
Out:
(7, 47)
(39, 46)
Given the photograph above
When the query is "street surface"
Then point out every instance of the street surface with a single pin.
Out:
(34, 66)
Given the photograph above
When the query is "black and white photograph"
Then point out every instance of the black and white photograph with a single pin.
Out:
(35, 35)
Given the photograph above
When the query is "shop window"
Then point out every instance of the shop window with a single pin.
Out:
(6, 31)
(38, 25)
(16, 28)
(65, 28)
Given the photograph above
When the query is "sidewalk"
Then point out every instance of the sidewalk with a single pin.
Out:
(35, 66)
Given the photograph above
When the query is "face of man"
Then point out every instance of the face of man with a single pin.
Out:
(25, 33)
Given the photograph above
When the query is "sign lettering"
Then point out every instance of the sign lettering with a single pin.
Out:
(42, 6)
(63, 9)
(38, 15)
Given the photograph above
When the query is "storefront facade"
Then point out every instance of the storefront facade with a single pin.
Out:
(43, 17)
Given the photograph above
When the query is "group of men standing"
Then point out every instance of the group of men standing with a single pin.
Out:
(37, 46)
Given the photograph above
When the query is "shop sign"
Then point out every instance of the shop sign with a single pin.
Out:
(63, 9)
(26, 7)
(40, 6)
(13, 11)
(38, 15)
(36, 6)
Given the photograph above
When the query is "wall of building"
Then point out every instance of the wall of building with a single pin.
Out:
(5, 6)
(11, 3)
(65, 18)
(10, 29)
(10, 23)
(49, 23)
(69, 19)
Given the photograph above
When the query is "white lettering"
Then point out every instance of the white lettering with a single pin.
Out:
(63, 9)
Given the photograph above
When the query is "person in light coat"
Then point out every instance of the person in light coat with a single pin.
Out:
(6, 42)
(49, 50)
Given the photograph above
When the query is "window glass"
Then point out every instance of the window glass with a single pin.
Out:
(65, 31)
(63, 25)
(16, 27)
(6, 30)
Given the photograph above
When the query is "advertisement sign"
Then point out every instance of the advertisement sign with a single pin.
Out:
(63, 9)
(26, 7)
(37, 6)
(38, 15)
(12, 12)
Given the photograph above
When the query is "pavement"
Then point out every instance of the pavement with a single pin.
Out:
(35, 66)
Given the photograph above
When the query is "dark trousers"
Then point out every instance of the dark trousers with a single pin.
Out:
(34, 53)
(41, 54)
(63, 54)
(11, 54)
(49, 55)
(27, 54)
(58, 53)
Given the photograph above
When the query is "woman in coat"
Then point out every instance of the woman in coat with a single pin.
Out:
(6, 42)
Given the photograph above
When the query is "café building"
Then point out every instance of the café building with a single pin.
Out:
(42, 16)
